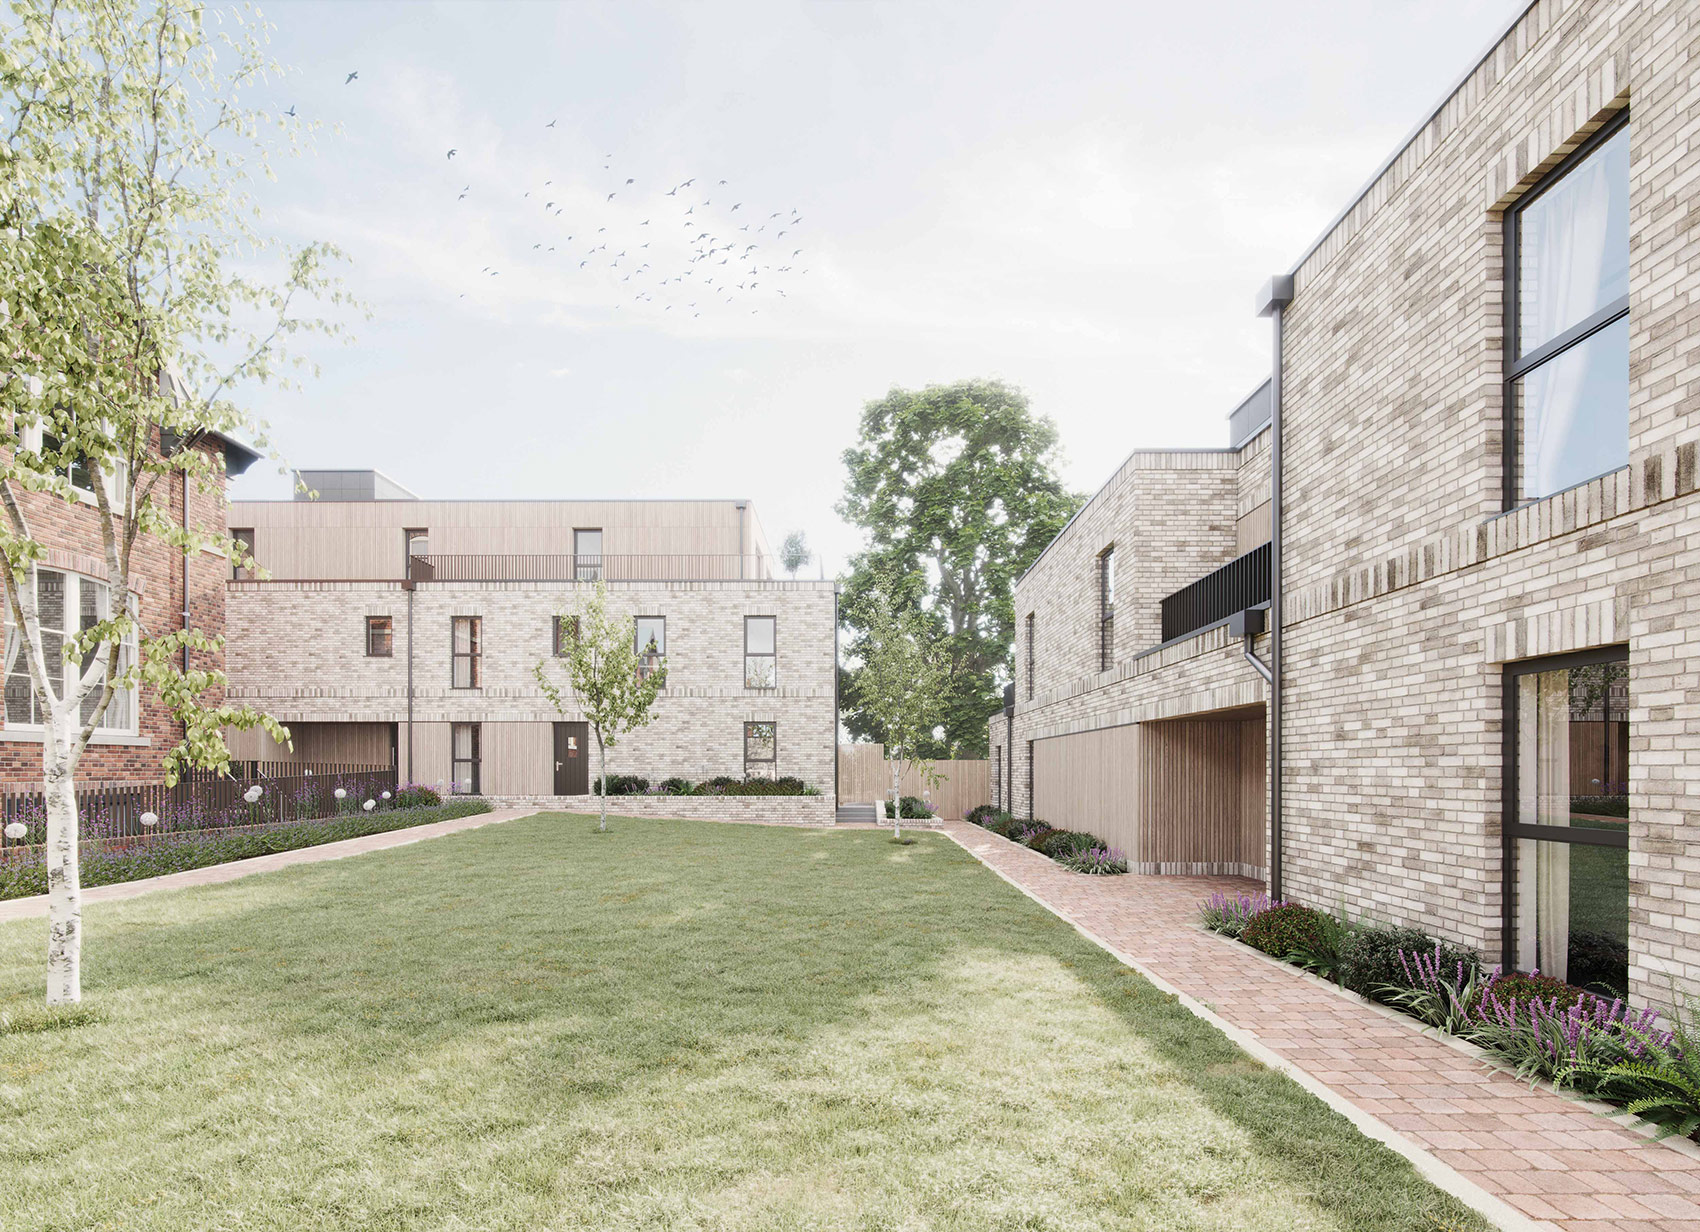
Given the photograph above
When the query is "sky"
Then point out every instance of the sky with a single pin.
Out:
(1078, 199)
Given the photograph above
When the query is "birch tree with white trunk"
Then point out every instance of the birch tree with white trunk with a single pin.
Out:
(126, 335)
(901, 686)
(610, 685)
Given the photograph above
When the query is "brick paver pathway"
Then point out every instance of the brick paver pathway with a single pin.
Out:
(1550, 1158)
(23, 908)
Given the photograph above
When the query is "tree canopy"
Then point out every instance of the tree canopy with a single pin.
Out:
(957, 491)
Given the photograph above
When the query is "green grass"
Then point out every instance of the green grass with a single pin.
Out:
(672, 1026)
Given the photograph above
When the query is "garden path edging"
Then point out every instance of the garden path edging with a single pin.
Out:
(1438, 1173)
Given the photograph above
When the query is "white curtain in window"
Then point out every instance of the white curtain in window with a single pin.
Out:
(1543, 791)
(1568, 268)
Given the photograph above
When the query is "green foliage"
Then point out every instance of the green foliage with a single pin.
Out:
(1654, 1073)
(720, 785)
(1095, 859)
(1322, 953)
(106, 864)
(956, 488)
(130, 325)
(910, 807)
(980, 814)
(794, 552)
(1004, 825)
(612, 689)
(1061, 844)
(35, 1019)
(1283, 929)
(901, 682)
(412, 795)
(1369, 957)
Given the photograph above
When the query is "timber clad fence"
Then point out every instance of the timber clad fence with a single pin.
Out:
(865, 775)
(290, 791)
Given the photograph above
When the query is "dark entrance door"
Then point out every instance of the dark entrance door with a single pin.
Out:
(572, 759)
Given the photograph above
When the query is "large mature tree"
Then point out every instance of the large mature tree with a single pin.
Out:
(956, 488)
(126, 333)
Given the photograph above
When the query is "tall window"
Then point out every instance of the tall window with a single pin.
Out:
(1029, 656)
(1107, 608)
(67, 603)
(1032, 807)
(565, 634)
(244, 536)
(466, 755)
(466, 652)
(649, 639)
(1567, 809)
(587, 555)
(380, 637)
(761, 750)
(761, 666)
(1567, 322)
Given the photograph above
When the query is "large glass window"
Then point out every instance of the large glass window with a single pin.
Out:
(1567, 322)
(1568, 831)
(761, 664)
(466, 653)
(761, 750)
(649, 639)
(66, 604)
(466, 758)
(587, 555)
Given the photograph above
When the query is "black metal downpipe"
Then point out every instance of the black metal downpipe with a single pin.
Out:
(1273, 303)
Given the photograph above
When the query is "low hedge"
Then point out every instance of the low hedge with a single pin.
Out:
(912, 808)
(980, 814)
(180, 850)
(1516, 990)
(1283, 929)
(720, 785)
(1369, 957)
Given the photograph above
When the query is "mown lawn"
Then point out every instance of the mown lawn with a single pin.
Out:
(673, 1026)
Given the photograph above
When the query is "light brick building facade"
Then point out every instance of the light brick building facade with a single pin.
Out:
(1491, 421)
(359, 659)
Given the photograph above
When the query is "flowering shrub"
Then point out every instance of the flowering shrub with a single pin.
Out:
(1572, 1042)
(416, 795)
(720, 785)
(1370, 957)
(980, 814)
(1656, 1074)
(1283, 928)
(1096, 860)
(913, 808)
(105, 864)
(1060, 844)
(1228, 914)
(1517, 990)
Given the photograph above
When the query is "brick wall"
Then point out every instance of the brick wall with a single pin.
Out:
(71, 534)
(298, 652)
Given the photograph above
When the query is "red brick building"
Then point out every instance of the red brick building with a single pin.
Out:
(170, 589)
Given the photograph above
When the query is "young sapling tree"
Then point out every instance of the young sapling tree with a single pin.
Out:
(610, 685)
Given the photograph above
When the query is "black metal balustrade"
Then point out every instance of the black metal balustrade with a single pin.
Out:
(568, 567)
(1241, 583)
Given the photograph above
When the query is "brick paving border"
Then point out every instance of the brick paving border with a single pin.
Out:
(1525, 1157)
(217, 874)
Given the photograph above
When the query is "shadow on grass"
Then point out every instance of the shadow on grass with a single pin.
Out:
(583, 966)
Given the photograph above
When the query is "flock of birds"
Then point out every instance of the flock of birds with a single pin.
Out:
(669, 251)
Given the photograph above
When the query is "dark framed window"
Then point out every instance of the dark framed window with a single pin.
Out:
(761, 749)
(466, 753)
(565, 633)
(761, 663)
(380, 637)
(587, 554)
(1566, 823)
(1567, 322)
(466, 652)
(416, 541)
(1030, 803)
(1107, 608)
(649, 640)
(1029, 656)
(997, 776)
(245, 536)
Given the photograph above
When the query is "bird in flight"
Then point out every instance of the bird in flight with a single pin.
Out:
(723, 181)
(291, 110)
(631, 181)
(452, 153)
(550, 124)
(610, 196)
(735, 207)
(463, 193)
(350, 77)
(548, 205)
